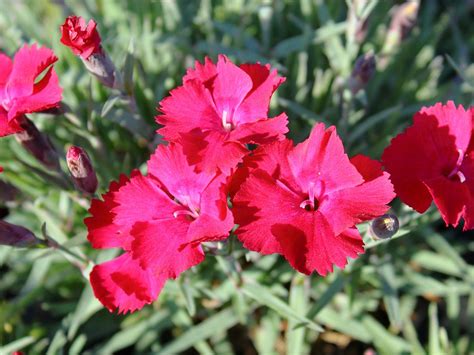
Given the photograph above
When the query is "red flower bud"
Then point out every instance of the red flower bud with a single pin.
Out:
(16, 236)
(84, 40)
(37, 144)
(81, 170)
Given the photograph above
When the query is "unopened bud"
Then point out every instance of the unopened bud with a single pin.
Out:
(385, 226)
(81, 170)
(16, 236)
(37, 144)
(364, 69)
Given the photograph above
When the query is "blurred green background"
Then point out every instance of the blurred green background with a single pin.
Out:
(411, 294)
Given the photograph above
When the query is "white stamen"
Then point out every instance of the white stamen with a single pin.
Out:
(227, 126)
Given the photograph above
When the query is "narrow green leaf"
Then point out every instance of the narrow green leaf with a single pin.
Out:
(17, 345)
(264, 296)
(295, 336)
(327, 296)
(213, 325)
(434, 345)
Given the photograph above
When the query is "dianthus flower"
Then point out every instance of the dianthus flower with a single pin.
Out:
(303, 202)
(159, 220)
(23, 89)
(82, 38)
(433, 160)
(219, 108)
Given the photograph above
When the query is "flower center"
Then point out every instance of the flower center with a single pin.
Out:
(456, 171)
(227, 121)
(189, 210)
(312, 203)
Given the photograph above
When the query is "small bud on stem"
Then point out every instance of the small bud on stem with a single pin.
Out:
(16, 236)
(37, 144)
(81, 169)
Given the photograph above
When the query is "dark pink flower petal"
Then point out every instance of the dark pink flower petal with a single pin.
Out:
(264, 131)
(260, 204)
(370, 169)
(29, 62)
(8, 127)
(204, 73)
(230, 88)
(309, 244)
(430, 148)
(321, 160)
(188, 107)
(170, 166)
(450, 197)
(6, 65)
(103, 232)
(345, 208)
(210, 151)
(82, 39)
(157, 246)
(264, 83)
(46, 94)
(141, 199)
(121, 284)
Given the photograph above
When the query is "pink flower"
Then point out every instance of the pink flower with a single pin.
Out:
(433, 159)
(159, 221)
(20, 90)
(219, 108)
(84, 40)
(303, 202)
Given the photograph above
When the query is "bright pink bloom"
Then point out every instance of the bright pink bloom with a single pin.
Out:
(433, 159)
(303, 202)
(219, 108)
(20, 90)
(159, 221)
(84, 40)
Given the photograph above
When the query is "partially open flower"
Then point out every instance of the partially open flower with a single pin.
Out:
(16, 236)
(82, 38)
(81, 169)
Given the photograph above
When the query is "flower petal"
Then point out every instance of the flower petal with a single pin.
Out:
(188, 107)
(264, 83)
(345, 208)
(260, 204)
(157, 246)
(263, 131)
(230, 87)
(426, 150)
(28, 63)
(121, 284)
(321, 158)
(103, 232)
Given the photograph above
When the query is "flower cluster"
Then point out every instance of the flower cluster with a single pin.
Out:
(302, 202)
(227, 163)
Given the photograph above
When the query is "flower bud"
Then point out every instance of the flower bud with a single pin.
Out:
(385, 226)
(37, 144)
(403, 20)
(16, 236)
(81, 169)
(85, 41)
(364, 69)
(8, 192)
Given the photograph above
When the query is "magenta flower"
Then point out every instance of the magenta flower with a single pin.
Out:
(159, 221)
(82, 38)
(20, 90)
(433, 160)
(303, 202)
(219, 108)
